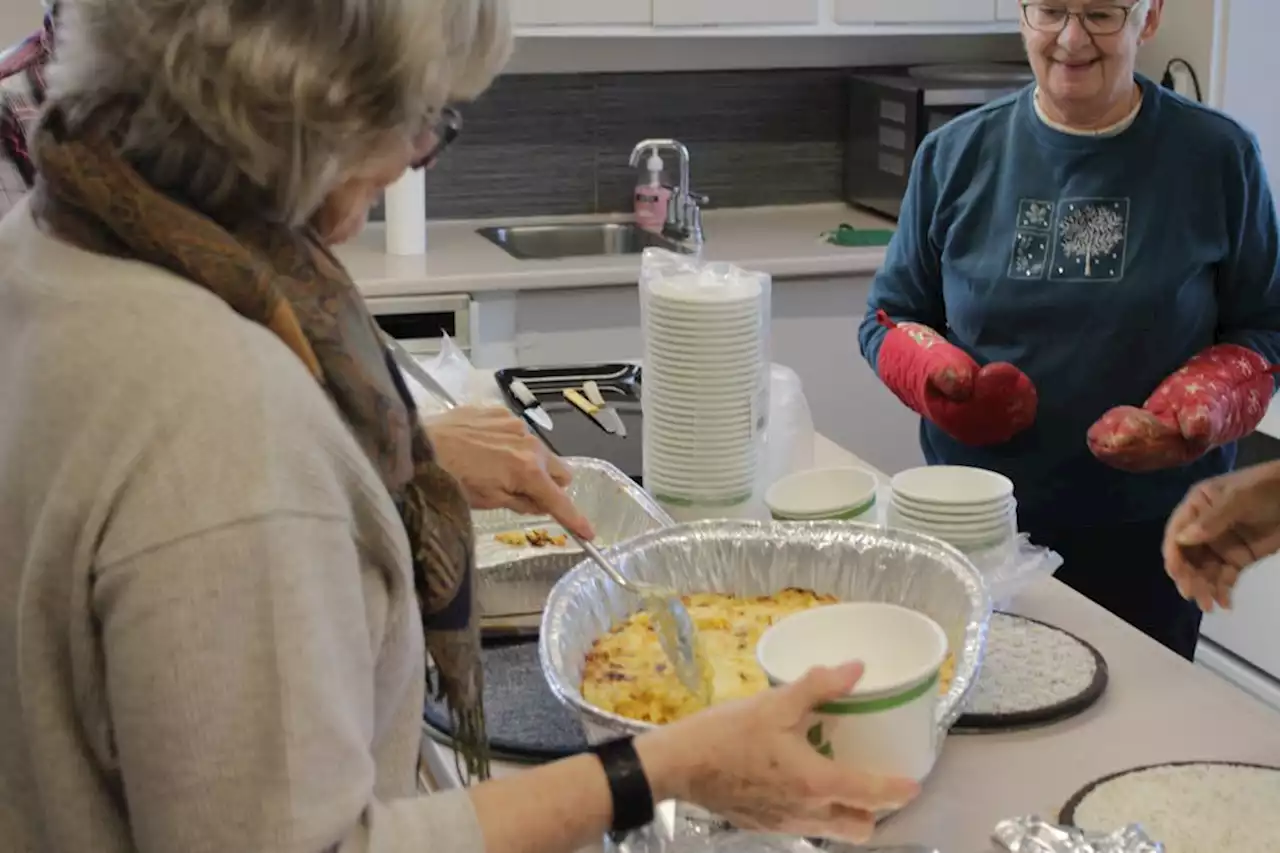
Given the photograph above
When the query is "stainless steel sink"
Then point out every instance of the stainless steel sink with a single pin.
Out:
(569, 240)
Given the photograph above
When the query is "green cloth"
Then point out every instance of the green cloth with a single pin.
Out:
(847, 235)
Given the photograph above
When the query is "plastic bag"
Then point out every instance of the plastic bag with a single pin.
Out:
(452, 369)
(789, 436)
(1013, 567)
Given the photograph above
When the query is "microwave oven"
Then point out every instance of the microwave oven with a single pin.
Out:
(891, 113)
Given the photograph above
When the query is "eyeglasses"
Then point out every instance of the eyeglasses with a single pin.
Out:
(446, 130)
(1098, 21)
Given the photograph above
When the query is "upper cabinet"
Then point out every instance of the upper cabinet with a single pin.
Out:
(1009, 10)
(763, 18)
(729, 13)
(915, 11)
(581, 13)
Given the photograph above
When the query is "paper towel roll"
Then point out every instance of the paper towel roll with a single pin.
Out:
(406, 213)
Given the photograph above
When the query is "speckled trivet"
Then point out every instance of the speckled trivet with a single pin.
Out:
(1033, 674)
(523, 716)
(1190, 807)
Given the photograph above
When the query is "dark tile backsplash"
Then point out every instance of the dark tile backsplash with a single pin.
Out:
(558, 144)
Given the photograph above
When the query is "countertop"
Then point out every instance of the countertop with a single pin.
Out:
(782, 241)
(1157, 708)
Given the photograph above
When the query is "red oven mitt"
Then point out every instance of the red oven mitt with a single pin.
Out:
(940, 382)
(1218, 397)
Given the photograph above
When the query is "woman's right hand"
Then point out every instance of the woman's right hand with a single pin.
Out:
(749, 762)
(501, 465)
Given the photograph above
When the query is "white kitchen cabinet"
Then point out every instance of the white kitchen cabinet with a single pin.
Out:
(692, 13)
(914, 11)
(578, 326)
(814, 328)
(1009, 10)
(573, 13)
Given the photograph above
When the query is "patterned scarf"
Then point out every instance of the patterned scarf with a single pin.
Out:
(286, 281)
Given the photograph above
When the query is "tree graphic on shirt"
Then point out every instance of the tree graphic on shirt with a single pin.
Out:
(1091, 230)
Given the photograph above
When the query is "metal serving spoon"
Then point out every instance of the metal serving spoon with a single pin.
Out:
(671, 619)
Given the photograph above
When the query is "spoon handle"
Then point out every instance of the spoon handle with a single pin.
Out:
(609, 569)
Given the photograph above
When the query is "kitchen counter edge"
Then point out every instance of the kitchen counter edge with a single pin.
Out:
(783, 241)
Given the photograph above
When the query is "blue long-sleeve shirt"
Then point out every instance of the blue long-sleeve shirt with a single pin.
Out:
(1098, 266)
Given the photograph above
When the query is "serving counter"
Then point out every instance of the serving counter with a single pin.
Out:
(1157, 708)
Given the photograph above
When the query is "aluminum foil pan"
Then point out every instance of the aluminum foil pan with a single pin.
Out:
(675, 829)
(850, 561)
(515, 581)
(1034, 835)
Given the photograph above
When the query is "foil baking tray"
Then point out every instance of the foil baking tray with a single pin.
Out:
(514, 581)
(678, 828)
(850, 561)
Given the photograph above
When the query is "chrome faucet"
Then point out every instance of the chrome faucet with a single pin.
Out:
(684, 211)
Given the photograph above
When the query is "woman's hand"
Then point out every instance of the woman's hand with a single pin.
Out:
(750, 763)
(1222, 527)
(502, 466)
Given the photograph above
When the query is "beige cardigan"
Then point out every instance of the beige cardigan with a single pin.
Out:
(208, 636)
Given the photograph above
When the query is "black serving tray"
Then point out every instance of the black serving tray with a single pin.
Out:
(575, 433)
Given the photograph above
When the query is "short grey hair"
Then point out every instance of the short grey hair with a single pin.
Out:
(270, 103)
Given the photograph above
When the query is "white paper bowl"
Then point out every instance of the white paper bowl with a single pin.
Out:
(943, 512)
(821, 494)
(967, 539)
(972, 520)
(747, 324)
(886, 725)
(952, 485)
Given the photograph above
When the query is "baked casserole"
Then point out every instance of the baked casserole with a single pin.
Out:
(627, 672)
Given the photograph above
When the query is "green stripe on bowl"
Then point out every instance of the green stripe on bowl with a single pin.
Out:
(878, 704)
(837, 515)
(674, 500)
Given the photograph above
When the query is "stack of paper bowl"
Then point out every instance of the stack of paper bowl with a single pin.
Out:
(971, 508)
(703, 394)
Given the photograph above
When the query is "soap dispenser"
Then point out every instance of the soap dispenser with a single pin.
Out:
(652, 197)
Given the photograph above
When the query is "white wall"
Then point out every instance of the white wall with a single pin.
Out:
(1186, 32)
(17, 19)
(1248, 68)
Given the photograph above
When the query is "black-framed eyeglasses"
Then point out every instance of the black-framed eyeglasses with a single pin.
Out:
(446, 129)
(1098, 21)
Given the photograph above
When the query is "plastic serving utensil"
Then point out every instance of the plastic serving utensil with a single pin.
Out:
(674, 626)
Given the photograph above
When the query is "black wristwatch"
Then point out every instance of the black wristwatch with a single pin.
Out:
(628, 786)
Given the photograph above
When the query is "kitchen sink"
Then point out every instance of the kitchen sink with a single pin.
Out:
(572, 240)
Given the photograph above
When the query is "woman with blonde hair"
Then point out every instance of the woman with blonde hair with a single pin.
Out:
(224, 532)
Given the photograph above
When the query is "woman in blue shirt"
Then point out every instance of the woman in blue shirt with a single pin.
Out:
(1084, 294)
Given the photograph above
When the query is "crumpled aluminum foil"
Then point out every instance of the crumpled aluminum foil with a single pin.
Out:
(513, 582)
(851, 561)
(1034, 835)
(678, 828)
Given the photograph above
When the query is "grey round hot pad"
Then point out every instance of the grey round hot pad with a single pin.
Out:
(1033, 674)
(524, 719)
(1190, 806)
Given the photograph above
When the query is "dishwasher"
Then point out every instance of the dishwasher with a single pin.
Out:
(420, 323)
